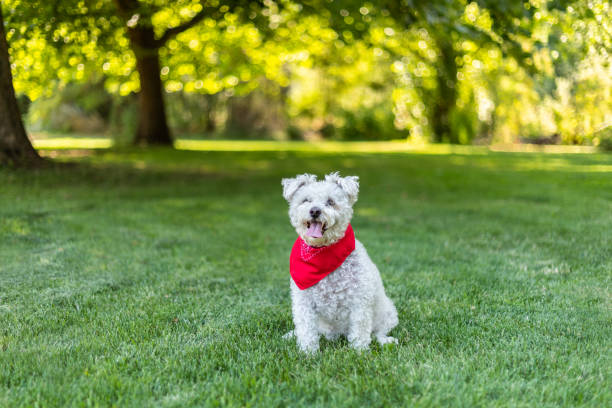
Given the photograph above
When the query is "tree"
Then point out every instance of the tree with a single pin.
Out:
(506, 25)
(435, 67)
(488, 23)
(152, 123)
(15, 147)
(89, 33)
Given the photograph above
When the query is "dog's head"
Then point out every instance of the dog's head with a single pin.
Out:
(320, 211)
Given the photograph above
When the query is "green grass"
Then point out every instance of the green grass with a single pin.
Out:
(160, 277)
(52, 141)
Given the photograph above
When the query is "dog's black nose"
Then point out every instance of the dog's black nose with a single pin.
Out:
(315, 212)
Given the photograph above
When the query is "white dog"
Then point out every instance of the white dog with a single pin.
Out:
(335, 288)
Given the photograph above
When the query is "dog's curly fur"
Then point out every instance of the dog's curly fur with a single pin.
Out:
(350, 301)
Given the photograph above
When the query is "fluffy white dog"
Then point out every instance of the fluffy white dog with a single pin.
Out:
(350, 300)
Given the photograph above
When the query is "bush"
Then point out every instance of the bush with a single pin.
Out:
(79, 108)
(123, 121)
(369, 124)
(603, 139)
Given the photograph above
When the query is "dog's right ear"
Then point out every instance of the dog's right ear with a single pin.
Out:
(292, 185)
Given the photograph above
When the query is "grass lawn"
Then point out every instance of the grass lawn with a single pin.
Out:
(161, 278)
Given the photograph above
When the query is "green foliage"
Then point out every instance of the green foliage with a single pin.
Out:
(369, 124)
(123, 121)
(603, 138)
(443, 70)
(81, 108)
(159, 278)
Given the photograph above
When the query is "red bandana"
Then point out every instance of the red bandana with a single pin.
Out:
(308, 265)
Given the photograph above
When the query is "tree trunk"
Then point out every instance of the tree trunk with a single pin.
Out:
(152, 125)
(15, 147)
(446, 101)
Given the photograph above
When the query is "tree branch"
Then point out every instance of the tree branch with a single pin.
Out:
(126, 7)
(171, 32)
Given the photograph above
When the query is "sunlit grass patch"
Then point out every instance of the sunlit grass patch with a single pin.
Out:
(323, 146)
(534, 148)
(69, 143)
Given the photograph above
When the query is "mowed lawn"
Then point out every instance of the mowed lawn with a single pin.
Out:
(160, 278)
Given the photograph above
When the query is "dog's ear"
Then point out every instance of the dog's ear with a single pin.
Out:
(350, 185)
(292, 185)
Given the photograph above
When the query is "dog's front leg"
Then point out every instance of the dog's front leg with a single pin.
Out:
(304, 319)
(360, 328)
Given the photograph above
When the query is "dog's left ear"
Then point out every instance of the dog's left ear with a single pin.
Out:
(292, 185)
(350, 185)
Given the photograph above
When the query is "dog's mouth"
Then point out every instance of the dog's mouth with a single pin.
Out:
(316, 229)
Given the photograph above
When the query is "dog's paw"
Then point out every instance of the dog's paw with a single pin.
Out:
(308, 346)
(289, 335)
(309, 349)
(386, 340)
(359, 346)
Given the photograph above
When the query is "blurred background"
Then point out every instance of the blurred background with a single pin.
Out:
(441, 71)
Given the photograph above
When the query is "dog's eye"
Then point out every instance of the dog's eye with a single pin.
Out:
(330, 201)
(306, 200)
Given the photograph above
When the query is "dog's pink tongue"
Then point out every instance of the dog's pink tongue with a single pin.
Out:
(314, 231)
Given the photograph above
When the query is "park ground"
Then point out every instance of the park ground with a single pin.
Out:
(160, 277)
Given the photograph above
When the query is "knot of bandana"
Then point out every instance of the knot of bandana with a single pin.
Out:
(308, 265)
